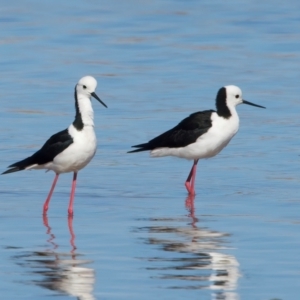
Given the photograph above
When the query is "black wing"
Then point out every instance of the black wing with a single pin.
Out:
(55, 145)
(185, 133)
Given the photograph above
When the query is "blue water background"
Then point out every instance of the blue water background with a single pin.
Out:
(156, 62)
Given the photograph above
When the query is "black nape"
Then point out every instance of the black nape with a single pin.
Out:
(222, 108)
(78, 123)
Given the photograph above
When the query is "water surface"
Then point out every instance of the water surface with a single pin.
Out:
(135, 234)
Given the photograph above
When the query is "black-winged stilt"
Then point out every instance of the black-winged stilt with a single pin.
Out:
(69, 150)
(201, 135)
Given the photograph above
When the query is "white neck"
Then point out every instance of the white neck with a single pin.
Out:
(234, 115)
(84, 112)
(85, 109)
(231, 107)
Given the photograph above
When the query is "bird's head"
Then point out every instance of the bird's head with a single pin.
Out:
(86, 86)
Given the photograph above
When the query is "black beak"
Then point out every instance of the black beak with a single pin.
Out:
(250, 103)
(96, 97)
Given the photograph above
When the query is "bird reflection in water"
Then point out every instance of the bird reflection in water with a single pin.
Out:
(195, 259)
(61, 272)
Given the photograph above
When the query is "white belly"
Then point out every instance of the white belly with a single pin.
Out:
(208, 144)
(78, 154)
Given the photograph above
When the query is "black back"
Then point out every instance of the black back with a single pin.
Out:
(185, 133)
(56, 144)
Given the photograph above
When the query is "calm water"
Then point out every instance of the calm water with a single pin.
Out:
(135, 235)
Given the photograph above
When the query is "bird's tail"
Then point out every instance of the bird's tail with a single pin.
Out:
(142, 147)
(20, 165)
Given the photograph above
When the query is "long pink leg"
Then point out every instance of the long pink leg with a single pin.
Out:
(194, 175)
(187, 182)
(191, 187)
(70, 209)
(190, 174)
(46, 204)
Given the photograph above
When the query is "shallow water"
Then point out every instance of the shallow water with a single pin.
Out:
(135, 234)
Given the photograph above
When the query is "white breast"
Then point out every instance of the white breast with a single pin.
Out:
(217, 137)
(79, 153)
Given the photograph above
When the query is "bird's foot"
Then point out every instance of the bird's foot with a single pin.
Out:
(190, 188)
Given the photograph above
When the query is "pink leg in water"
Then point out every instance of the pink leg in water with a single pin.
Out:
(191, 186)
(46, 204)
(70, 209)
(194, 175)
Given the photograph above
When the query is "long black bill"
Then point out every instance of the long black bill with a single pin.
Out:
(250, 103)
(96, 97)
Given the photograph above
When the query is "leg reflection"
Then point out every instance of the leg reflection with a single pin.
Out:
(48, 232)
(52, 236)
(190, 255)
(190, 206)
(72, 240)
(62, 273)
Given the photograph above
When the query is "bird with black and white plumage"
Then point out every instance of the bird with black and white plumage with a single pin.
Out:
(71, 149)
(201, 135)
